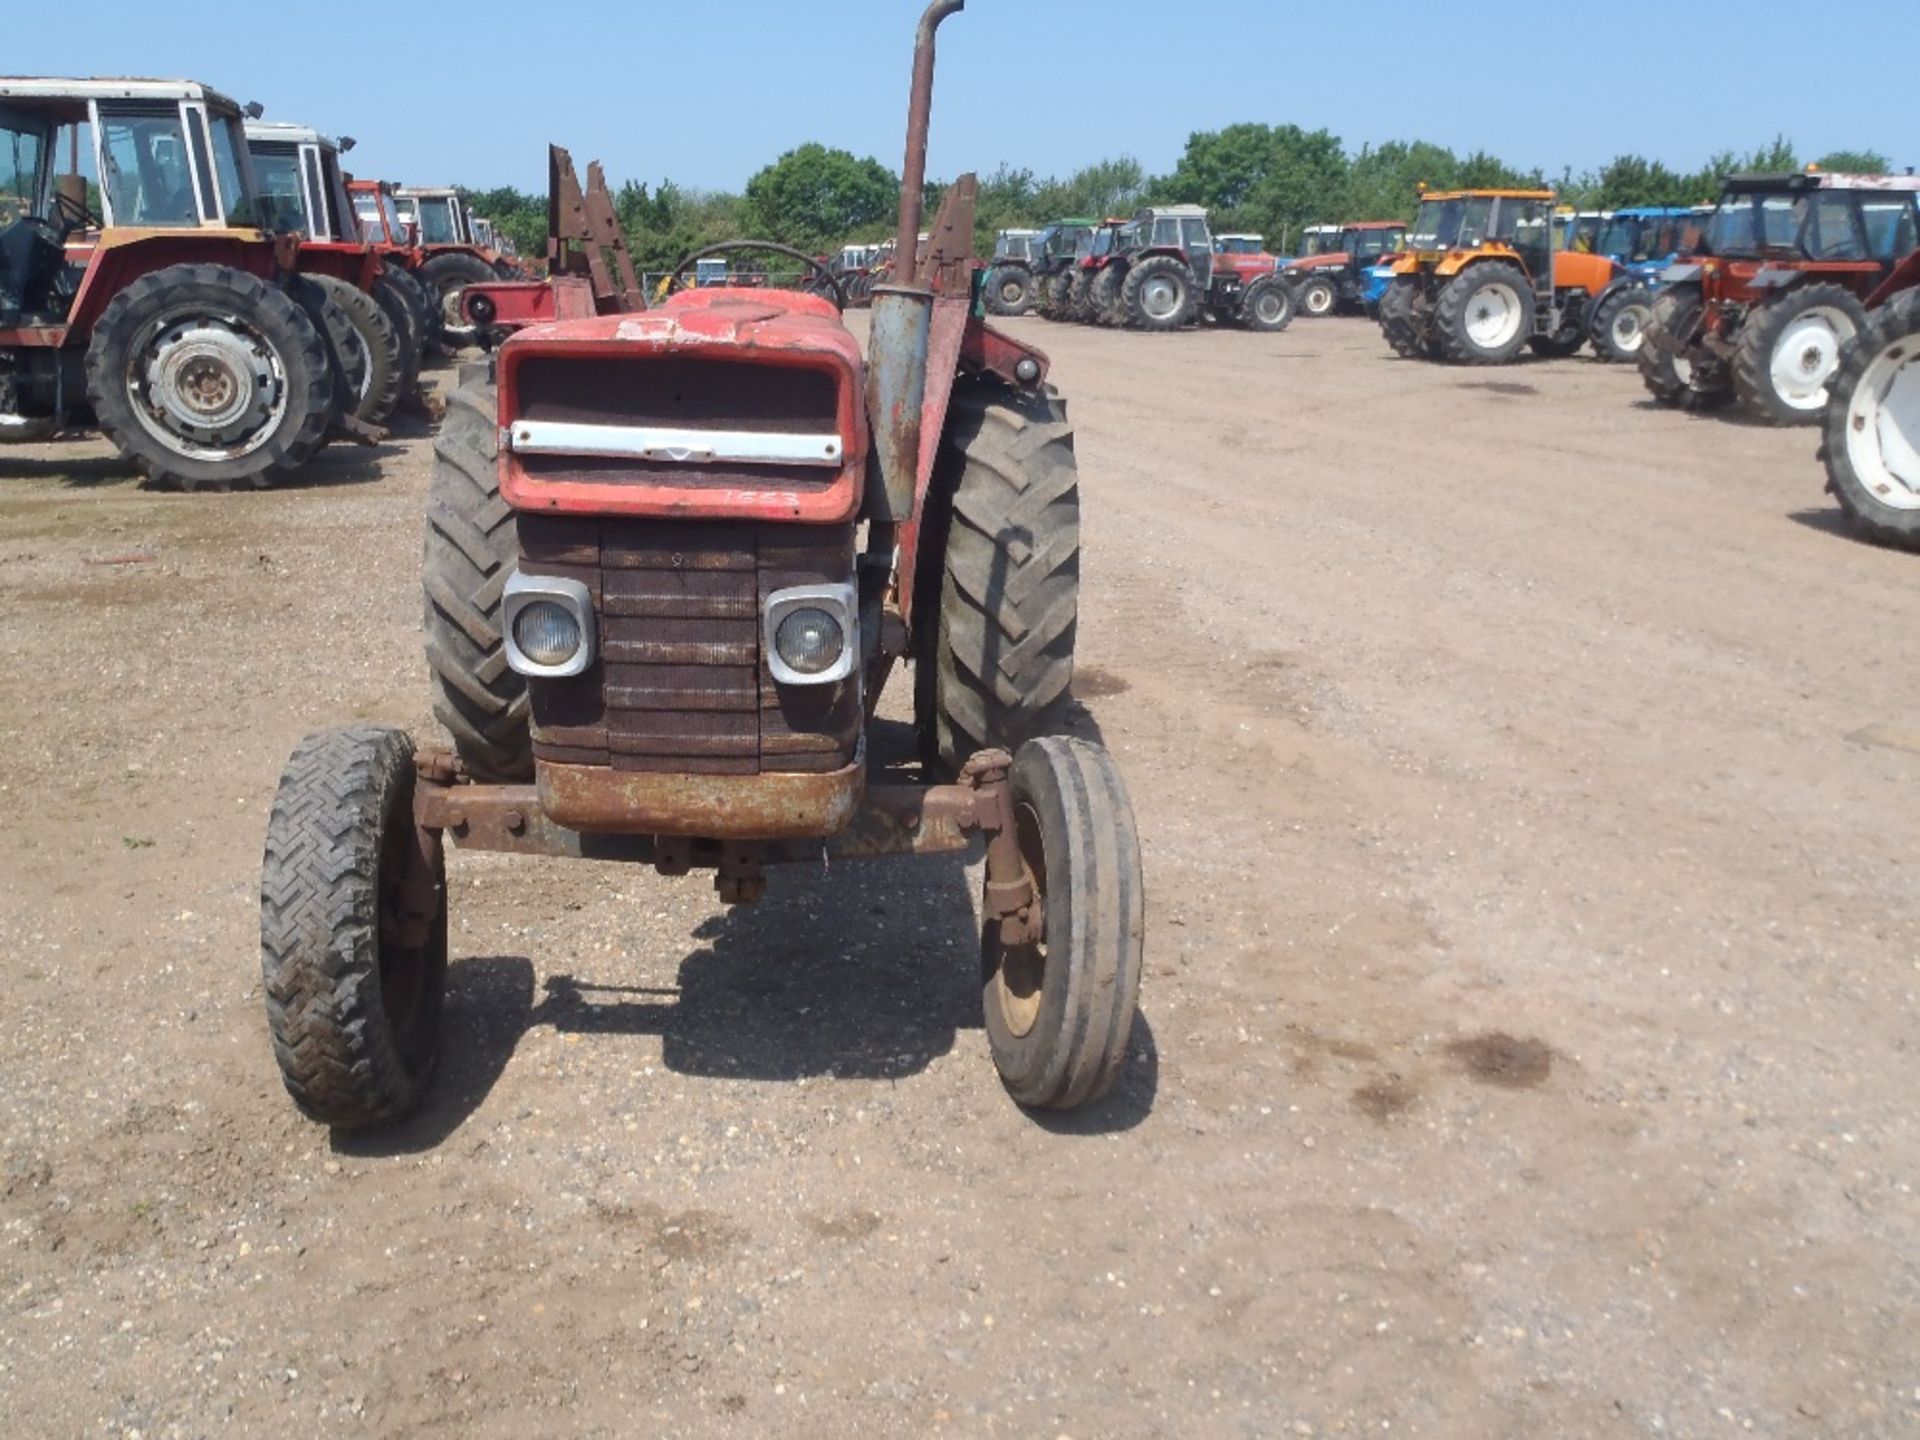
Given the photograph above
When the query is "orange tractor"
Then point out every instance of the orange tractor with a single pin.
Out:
(673, 558)
(1483, 277)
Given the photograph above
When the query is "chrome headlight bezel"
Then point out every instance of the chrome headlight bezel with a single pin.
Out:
(524, 590)
(842, 602)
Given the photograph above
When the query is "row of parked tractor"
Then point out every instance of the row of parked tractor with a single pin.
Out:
(1794, 300)
(210, 290)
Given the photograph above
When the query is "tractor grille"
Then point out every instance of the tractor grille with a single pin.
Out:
(680, 684)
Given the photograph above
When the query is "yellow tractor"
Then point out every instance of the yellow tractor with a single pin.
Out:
(1484, 275)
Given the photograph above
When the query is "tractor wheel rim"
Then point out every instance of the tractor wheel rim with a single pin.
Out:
(1011, 291)
(208, 387)
(1319, 299)
(1883, 426)
(1627, 330)
(1160, 297)
(1807, 354)
(1269, 307)
(1683, 370)
(452, 322)
(1019, 981)
(1493, 316)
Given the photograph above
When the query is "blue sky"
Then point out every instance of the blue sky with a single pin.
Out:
(471, 92)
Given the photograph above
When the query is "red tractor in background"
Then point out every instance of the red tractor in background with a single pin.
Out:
(301, 184)
(673, 558)
(1871, 441)
(431, 238)
(139, 290)
(1159, 272)
(1334, 279)
(1778, 287)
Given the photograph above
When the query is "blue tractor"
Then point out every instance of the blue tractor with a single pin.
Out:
(1643, 240)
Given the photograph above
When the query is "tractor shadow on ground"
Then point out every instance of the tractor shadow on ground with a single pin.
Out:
(85, 473)
(1832, 520)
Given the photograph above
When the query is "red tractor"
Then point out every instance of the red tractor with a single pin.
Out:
(1761, 313)
(138, 288)
(1162, 274)
(298, 173)
(1871, 444)
(429, 234)
(1334, 279)
(672, 559)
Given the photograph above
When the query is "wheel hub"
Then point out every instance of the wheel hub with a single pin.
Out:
(1883, 427)
(209, 383)
(1160, 298)
(1493, 317)
(1806, 357)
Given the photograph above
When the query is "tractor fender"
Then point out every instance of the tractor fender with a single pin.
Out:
(1905, 276)
(1577, 270)
(123, 256)
(1626, 280)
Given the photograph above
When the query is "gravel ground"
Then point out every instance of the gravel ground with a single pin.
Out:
(1525, 776)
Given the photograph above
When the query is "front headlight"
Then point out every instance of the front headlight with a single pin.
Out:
(549, 625)
(812, 634)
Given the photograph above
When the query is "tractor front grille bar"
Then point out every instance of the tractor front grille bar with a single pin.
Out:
(675, 446)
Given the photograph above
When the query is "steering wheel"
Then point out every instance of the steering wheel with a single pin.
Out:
(822, 281)
(76, 214)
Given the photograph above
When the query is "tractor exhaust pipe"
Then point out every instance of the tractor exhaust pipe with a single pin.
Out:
(902, 318)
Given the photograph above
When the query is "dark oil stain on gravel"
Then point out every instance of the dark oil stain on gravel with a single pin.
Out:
(1385, 1098)
(1501, 387)
(1090, 682)
(1497, 1058)
(854, 1225)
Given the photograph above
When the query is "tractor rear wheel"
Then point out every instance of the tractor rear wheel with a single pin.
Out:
(1672, 376)
(1079, 296)
(1620, 323)
(1789, 349)
(1268, 305)
(382, 372)
(346, 351)
(1317, 297)
(473, 543)
(1872, 439)
(446, 278)
(209, 377)
(353, 929)
(1059, 1010)
(997, 594)
(1396, 319)
(1159, 294)
(1484, 315)
(1008, 290)
(390, 289)
(1103, 297)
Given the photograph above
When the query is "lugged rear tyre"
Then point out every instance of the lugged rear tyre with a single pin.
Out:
(1396, 319)
(353, 929)
(1103, 297)
(446, 277)
(1267, 307)
(472, 546)
(1670, 376)
(1059, 1013)
(1317, 297)
(390, 288)
(1159, 294)
(294, 373)
(1871, 443)
(383, 366)
(1789, 349)
(1008, 290)
(1484, 315)
(997, 590)
(1619, 325)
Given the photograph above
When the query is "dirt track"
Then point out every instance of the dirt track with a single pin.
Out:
(1527, 782)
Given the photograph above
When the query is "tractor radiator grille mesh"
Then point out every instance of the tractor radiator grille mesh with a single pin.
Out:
(680, 684)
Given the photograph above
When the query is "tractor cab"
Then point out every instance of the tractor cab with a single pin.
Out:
(1816, 217)
(438, 215)
(1318, 240)
(1016, 245)
(1649, 235)
(85, 156)
(376, 213)
(1182, 229)
(301, 184)
(1239, 244)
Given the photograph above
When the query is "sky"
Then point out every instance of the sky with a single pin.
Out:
(471, 93)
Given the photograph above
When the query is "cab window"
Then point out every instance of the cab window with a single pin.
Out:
(1890, 226)
(1194, 234)
(22, 152)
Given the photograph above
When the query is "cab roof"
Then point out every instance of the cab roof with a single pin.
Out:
(66, 99)
(426, 192)
(288, 133)
(1375, 225)
(1802, 180)
(1488, 195)
(1183, 212)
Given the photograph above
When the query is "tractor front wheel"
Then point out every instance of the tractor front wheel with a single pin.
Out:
(997, 593)
(1397, 322)
(1008, 290)
(1060, 1007)
(353, 929)
(1268, 305)
(1620, 323)
(1485, 314)
(1872, 440)
(473, 543)
(209, 377)
(1790, 348)
(1317, 297)
(447, 278)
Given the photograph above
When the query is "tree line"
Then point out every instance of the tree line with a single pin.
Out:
(1256, 178)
